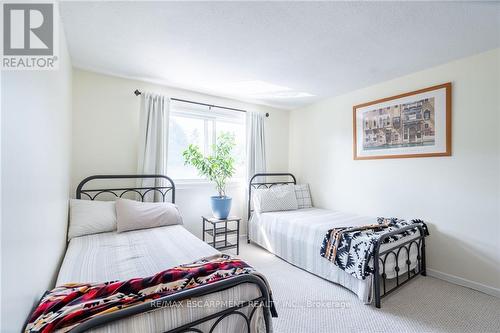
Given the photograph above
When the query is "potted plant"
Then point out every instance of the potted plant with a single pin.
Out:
(217, 167)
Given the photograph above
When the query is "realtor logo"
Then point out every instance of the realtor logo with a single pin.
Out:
(29, 36)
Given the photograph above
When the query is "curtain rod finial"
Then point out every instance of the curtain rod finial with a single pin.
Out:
(267, 114)
(137, 92)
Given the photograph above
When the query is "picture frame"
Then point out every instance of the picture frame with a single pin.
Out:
(413, 124)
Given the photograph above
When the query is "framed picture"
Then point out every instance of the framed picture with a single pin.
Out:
(414, 124)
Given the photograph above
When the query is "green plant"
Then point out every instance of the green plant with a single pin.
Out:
(217, 167)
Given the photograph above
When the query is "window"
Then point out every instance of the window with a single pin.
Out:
(427, 114)
(199, 125)
(396, 122)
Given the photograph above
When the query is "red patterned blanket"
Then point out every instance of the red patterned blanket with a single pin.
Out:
(64, 307)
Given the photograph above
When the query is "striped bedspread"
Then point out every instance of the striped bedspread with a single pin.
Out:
(122, 256)
(297, 236)
(69, 305)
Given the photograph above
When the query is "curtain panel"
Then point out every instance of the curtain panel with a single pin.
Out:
(256, 143)
(153, 140)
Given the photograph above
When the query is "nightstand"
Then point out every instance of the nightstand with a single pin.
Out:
(221, 229)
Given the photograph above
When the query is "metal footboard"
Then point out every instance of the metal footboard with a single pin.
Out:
(264, 301)
(380, 281)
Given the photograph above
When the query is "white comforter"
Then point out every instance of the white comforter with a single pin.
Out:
(297, 236)
(121, 256)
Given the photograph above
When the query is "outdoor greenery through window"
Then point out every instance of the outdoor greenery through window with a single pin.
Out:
(199, 125)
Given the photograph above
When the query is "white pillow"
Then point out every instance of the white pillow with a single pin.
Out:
(276, 198)
(303, 195)
(88, 217)
(134, 215)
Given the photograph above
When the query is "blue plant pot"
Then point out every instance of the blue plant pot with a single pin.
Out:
(221, 206)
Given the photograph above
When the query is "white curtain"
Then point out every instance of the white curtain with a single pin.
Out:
(256, 143)
(153, 140)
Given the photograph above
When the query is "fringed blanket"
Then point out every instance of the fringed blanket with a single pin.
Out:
(67, 306)
(351, 248)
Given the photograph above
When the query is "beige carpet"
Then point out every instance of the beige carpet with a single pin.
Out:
(307, 303)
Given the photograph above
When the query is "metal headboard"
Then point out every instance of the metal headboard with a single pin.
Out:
(119, 192)
(267, 184)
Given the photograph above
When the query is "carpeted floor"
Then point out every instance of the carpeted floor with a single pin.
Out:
(307, 303)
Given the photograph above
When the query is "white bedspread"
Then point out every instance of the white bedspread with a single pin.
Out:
(121, 256)
(297, 236)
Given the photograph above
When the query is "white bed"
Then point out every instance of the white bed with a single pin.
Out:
(120, 256)
(297, 235)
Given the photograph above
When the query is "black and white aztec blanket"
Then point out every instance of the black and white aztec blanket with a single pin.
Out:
(351, 248)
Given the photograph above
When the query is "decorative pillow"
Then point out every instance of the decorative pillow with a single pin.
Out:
(303, 195)
(88, 217)
(276, 198)
(134, 215)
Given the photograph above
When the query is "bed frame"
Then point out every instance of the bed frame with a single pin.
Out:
(119, 192)
(141, 191)
(382, 286)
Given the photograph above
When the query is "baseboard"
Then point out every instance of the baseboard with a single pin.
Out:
(464, 282)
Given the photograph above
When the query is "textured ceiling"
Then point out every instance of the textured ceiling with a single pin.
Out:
(290, 48)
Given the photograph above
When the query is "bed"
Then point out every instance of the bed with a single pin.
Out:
(238, 304)
(296, 236)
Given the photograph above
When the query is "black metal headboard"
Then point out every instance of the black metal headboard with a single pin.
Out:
(119, 192)
(255, 184)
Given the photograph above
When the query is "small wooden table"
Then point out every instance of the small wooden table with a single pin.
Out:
(218, 228)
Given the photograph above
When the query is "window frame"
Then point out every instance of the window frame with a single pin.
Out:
(208, 138)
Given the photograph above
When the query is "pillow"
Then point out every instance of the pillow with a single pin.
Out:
(276, 198)
(134, 215)
(303, 195)
(88, 217)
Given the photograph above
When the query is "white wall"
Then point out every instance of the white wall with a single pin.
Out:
(458, 195)
(106, 129)
(36, 143)
(1, 213)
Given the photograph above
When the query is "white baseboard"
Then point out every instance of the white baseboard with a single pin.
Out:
(464, 282)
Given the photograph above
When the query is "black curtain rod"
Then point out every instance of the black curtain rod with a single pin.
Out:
(137, 93)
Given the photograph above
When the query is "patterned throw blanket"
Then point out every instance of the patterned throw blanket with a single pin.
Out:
(351, 248)
(66, 306)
